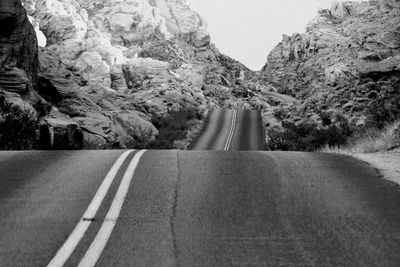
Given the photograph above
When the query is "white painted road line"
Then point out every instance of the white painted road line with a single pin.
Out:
(75, 237)
(232, 131)
(96, 248)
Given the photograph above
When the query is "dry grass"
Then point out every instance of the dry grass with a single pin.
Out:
(370, 141)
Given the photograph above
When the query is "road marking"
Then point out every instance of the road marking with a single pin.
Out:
(232, 131)
(75, 237)
(96, 248)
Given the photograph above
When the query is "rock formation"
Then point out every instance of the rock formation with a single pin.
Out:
(18, 49)
(104, 69)
(101, 74)
(346, 62)
(18, 76)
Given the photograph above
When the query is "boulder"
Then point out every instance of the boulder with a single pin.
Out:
(10, 102)
(61, 20)
(56, 80)
(129, 22)
(337, 74)
(182, 21)
(142, 131)
(14, 80)
(61, 133)
(387, 66)
(340, 10)
(94, 69)
(118, 82)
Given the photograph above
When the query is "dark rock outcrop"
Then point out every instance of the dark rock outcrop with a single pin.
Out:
(18, 78)
(18, 47)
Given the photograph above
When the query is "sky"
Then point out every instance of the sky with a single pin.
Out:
(247, 30)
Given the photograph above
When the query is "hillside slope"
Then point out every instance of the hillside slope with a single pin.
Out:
(346, 65)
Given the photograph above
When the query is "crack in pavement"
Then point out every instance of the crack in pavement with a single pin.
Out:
(173, 212)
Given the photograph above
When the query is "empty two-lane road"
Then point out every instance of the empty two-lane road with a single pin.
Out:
(196, 209)
(231, 130)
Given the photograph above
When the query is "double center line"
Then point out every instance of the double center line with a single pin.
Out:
(232, 131)
(97, 246)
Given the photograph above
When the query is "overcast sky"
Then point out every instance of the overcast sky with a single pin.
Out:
(247, 30)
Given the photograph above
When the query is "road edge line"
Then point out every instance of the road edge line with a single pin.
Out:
(77, 234)
(97, 246)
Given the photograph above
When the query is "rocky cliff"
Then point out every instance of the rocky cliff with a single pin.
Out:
(104, 70)
(347, 62)
(18, 77)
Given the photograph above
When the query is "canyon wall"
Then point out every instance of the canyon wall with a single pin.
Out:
(103, 70)
(347, 62)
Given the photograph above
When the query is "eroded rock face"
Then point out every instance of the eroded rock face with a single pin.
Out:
(108, 67)
(345, 61)
(18, 78)
(18, 44)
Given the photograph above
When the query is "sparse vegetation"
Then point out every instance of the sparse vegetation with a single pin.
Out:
(18, 128)
(309, 136)
(381, 132)
(371, 140)
(383, 111)
(173, 127)
(280, 114)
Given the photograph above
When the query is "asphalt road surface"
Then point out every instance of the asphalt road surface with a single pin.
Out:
(225, 130)
(195, 208)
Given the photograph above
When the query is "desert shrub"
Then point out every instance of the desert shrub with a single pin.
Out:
(18, 130)
(42, 108)
(382, 112)
(308, 136)
(173, 127)
(280, 114)
(369, 140)
(325, 118)
(385, 110)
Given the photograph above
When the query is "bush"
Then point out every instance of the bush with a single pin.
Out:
(173, 127)
(370, 140)
(396, 134)
(385, 110)
(308, 136)
(280, 114)
(18, 131)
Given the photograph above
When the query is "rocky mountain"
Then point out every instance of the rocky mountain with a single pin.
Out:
(347, 62)
(119, 73)
(103, 73)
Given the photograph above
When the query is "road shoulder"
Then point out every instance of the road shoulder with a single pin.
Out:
(388, 163)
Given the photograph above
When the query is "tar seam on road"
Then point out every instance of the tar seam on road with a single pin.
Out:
(88, 217)
(173, 212)
(100, 241)
(231, 132)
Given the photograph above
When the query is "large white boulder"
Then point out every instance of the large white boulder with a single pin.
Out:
(94, 69)
(129, 21)
(60, 20)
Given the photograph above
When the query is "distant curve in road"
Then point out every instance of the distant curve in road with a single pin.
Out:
(231, 130)
(207, 208)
